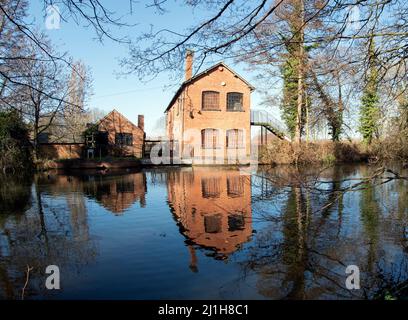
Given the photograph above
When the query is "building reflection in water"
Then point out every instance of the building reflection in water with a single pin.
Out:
(212, 207)
(119, 193)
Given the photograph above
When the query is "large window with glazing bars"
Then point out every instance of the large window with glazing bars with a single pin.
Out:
(123, 139)
(209, 138)
(211, 187)
(235, 101)
(235, 139)
(210, 100)
(235, 186)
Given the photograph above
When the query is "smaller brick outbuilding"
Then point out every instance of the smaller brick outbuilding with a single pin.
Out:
(120, 135)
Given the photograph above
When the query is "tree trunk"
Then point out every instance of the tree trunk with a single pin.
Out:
(300, 88)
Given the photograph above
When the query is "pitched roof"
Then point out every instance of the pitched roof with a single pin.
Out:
(120, 115)
(192, 79)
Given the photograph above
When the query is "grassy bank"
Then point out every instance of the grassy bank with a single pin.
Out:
(324, 152)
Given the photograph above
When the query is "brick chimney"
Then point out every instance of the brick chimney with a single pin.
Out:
(189, 64)
(140, 121)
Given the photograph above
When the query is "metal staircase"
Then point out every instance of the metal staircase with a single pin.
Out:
(265, 119)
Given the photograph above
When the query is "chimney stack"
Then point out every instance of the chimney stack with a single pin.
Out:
(189, 64)
(140, 122)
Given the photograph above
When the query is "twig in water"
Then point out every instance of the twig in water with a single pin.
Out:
(27, 279)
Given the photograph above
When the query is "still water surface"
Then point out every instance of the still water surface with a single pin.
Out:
(203, 233)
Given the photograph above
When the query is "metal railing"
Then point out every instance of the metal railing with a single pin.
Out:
(264, 118)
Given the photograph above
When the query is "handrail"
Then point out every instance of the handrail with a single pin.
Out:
(262, 117)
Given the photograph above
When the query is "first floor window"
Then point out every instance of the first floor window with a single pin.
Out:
(124, 139)
(234, 101)
(213, 223)
(210, 100)
(236, 222)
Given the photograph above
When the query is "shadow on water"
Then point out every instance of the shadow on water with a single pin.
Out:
(273, 233)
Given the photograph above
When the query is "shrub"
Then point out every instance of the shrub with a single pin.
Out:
(14, 142)
(327, 152)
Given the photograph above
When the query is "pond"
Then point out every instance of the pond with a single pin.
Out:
(204, 233)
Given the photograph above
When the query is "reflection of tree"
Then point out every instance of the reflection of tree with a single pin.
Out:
(294, 255)
(47, 233)
(402, 190)
(312, 236)
(369, 212)
(295, 244)
(15, 194)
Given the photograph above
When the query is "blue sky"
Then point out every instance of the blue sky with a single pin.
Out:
(126, 94)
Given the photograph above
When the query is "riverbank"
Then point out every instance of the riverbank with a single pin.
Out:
(279, 152)
(322, 152)
(84, 164)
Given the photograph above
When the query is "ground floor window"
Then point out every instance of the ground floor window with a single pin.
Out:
(211, 187)
(235, 186)
(235, 138)
(209, 138)
(124, 139)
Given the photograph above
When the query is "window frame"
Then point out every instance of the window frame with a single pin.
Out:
(241, 109)
(203, 108)
(235, 186)
(211, 187)
(215, 139)
(122, 139)
(239, 142)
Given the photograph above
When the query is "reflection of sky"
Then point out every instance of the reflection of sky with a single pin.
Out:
(143, 254)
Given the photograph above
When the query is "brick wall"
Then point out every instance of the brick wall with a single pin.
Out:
(115, 123)
(186, 112)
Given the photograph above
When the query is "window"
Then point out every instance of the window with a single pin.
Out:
(234, 101)
(235, 186)
(235, 138)
(125, 186)
(210, 100)
(124, 139)
(209, 138)
(211, 187)
(212, 224)
(236, 222)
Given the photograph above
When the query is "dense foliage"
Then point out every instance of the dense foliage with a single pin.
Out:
(370, 111)
(14, 142)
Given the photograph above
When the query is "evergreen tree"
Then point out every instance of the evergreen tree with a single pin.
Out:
(14, 142)
(369, 110)
(289, 103)
(290, 74)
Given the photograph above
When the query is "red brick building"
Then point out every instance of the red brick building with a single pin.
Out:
(120, 135)
(209, 116)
